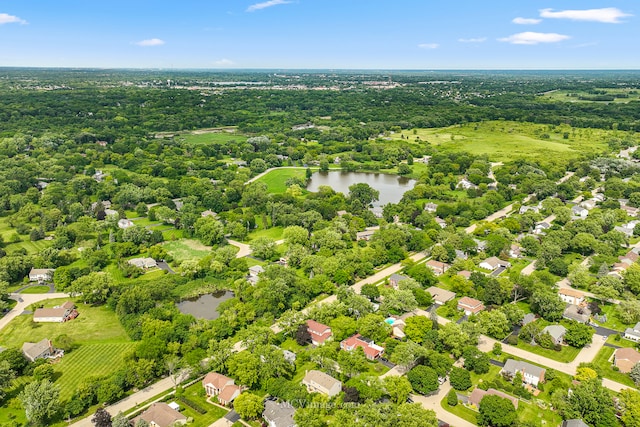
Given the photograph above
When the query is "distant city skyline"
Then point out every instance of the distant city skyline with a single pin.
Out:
(320, 34)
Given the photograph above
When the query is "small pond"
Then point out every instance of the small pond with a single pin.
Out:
(391, 187)
(204, 306)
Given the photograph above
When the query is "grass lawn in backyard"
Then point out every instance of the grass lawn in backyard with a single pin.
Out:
(94, 325)
(144, 222)
(29, 246)
(37, 289)
(118, 277)
(90, 360)
(621, 342)
(195, 393)
(566, 355)
(170, 233)
(603, 361)
(506, 140)
(613, 322)
(274, 233)
(185, 249)
(210, 137)
(276, 179)
(461, 411)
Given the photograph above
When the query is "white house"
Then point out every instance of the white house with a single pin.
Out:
(125, 223)
(41, 275)
(430, 207)
(493, 263)
(579, 212)
(633, 334)
(571, 296)
(531, 374)
(144, 263)
(465, 184)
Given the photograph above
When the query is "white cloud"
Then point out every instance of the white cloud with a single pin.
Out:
(150, 42)
(428, 45)
(526, 21)
(266, 4)
(608, 15)
(530, 37)
(473, 40)
(224, 62)
(5, 18)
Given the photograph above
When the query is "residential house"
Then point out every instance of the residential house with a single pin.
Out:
(557, 333)
(571, 296)
(99, 176)
(125, 223)
(477, 394)
(578, 313)
(144, 263)
(365, 235)
(394, 279)
(630, 210)
(599, 197)
(589, 204)
(465, 273)
(371, 350)
(531, 374)
(377, 211)
(494, 263)
(208, 213)
(515, 251)
(41, 275)
(440, 296)
(255, 270)
(465, 184)
(461, 255)
(574, 423)
(108, 212)
(319, 332)
(441, 222)
(223, 387)
(430, 207)
(161, 415)
(397, 327)
(528, 318)
(579, 212)
(625, 359)
(541, 228)
(40, 350)
(525, 209)
(105, 204)
(341, 213)
(633, 333)
(59, 314)
(624, 230)
(470, 305)
(278, 414)
(319, 382)
(438, 268)
(481, 245)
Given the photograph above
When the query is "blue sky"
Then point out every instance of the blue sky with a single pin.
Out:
(312, 34)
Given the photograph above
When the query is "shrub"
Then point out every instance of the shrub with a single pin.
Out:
(191, 404)
(452, 398)
(512, 340)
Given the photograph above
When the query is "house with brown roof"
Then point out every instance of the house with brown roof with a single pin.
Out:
(470, 305)
(477, 394)
(438, 268)
(625, 359)
(440, 296)
(465, 273)
(319, 332)
(571, 296)
(223, 387)
(371, 350)
(493, 263)
(57, 314)
(319, 382)
(161, 415)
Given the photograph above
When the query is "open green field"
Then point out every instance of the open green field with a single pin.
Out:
(575, 95)
(91, 360)
(29, 246)
(94, 325)
(274, 233)
(566, 355)
(185, 249)
(505, 140)
(276, 179)
(203, 138)
(37, 289)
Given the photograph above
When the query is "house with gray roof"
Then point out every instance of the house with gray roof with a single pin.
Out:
(394, 279)
(557, 333)
(279, 414)
(574, 423)
(633, 334)
(39, 350)
(531, 374)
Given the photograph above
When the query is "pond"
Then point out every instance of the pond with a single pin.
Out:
(391, 187)
(204, 306)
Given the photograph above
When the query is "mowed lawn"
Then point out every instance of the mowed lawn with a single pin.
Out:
(94, 325)
(504, 141)
(91, 360)
(277, 178)
(204, 137)
(185, 249)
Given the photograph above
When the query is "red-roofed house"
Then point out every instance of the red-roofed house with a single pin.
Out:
(319, 332)
(438, 268)
(470, 305)
(228, 394)
(371, 350)
(214, 383)
(477, 394)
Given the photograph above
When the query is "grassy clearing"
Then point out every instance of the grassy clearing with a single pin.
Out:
(603, 361)
(621, 342)
(89, 361)
(38, 289)
(574, 95)
(29, 246)
(185, 249)
(203, 137)
(276, 179)
(461, 411)
(274, 233)
(566, 355)
(95, 325)
(613, 322)
(505, 140)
